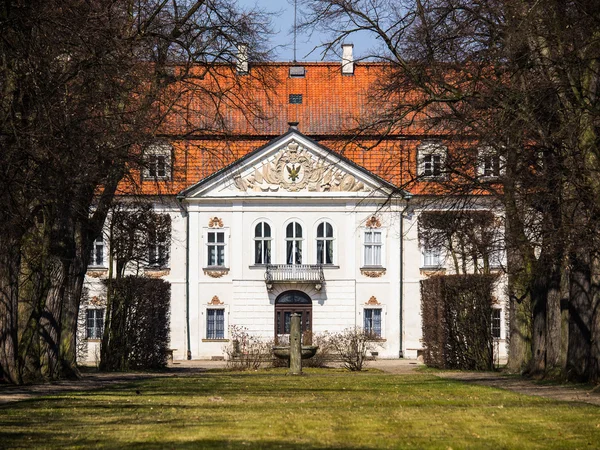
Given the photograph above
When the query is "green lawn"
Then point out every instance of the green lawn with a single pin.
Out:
(323, 409)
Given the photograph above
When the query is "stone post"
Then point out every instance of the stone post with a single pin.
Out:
(295, 345)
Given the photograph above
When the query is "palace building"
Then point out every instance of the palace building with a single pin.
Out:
(290, 211)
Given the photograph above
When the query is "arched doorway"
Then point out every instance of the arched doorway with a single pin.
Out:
(292, 302)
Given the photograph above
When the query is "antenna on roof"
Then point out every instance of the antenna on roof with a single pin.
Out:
(295, 11)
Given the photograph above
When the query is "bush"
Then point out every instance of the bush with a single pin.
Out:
(247, 352)
(456, 312)
(324, 353)
(352, 345)
(137, 324)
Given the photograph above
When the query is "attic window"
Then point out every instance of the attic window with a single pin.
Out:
(295, 99)
(297, 72)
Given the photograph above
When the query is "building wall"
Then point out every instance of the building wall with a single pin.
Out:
(242, 291)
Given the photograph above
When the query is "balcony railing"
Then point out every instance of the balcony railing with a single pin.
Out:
(294, 273)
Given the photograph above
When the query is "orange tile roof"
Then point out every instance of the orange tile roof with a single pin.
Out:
(210, 131)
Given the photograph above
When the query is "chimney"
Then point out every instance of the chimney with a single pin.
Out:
(347, 59)
(242, 59)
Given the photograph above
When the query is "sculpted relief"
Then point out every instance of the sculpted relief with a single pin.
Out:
(294, 169)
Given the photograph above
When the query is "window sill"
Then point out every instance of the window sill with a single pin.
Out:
(93, 339)
(432, 270)
(373, 271)
(215, 271)
(215, 340)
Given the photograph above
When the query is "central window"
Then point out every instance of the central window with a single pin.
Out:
(324, 243)
(262, 243)
(293, 241)
(373, 244)
(215, 241)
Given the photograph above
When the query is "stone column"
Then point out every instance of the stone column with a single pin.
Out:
(295, 345)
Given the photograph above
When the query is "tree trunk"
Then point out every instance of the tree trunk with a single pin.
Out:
(10, 261)
(580, 318)
(50, 321)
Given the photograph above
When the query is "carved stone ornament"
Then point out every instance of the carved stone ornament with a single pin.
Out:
(373, 301)
(95, 300)
(153, 273)
(294, 169)
(215, 222)
(215, 301)
(97, 273)
(372, 273)
(373, 222)
(216, 273)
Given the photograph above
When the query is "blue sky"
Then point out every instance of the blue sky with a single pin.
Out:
(283, 39)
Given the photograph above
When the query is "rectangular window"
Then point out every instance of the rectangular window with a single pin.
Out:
(215, 324)
(432, 165)
(295, 99)
(372, 323)
(496, 322)
(373, 246)
(432, 257)
(491, 165)
(216, 248)
(97, 253)
(157, 162)
(94, 323)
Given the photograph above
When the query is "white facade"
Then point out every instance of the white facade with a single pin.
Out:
(321, 211)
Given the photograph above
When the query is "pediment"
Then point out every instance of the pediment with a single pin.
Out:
(291, 165)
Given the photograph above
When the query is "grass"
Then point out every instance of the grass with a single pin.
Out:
(323, 409)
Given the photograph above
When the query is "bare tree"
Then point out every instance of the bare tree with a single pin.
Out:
(83, 87)
(520, 78)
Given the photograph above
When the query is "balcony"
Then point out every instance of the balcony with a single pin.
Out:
(294, 273)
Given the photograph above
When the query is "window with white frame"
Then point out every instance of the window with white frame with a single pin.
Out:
(293, 243)
(262, 243)
(489, 163)
(431, 159)
(215, 323)
(94, 323)
(432, 256)
(373, 247)
(215, 248)
(157, 162)
(372, 321)
(496, 323)
(97, 253)
(324, 243)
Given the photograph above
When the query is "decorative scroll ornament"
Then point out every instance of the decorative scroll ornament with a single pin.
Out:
(373, 222)
(215, 301)
(373, 301)
(295, 169)
(215, 222)
(216, 273)
(374, 273)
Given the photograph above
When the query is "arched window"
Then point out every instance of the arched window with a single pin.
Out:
(324, 243)
(293, 241)
(262, 243)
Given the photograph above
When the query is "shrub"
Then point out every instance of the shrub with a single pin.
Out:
(324, 353)
(247, 352)
(457, 312)
(137, 326)
(352, 345)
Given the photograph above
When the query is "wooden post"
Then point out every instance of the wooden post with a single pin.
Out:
(295, 346)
